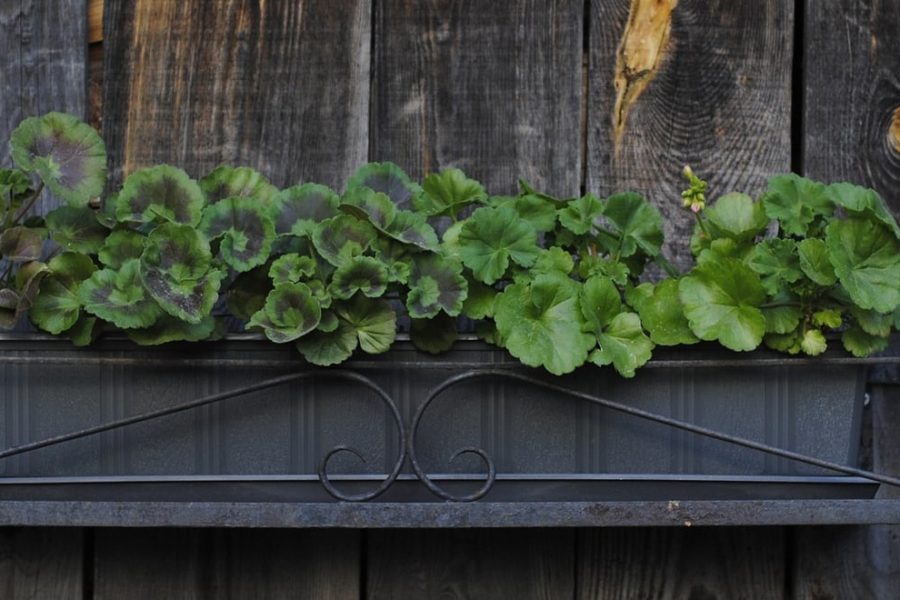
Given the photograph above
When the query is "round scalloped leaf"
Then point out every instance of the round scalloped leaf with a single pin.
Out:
(541, 324)
(237, 182)
(873, 323)
(404, 226)
(170, 329)
(292, 268)
(66, 153)
(435, 284)
(861, 344)
(388, 179)
(176, 271)
(600, 302)
(85, 330)
(434, 335)
(340, 238)
(360, 274)
(71, 266)
(637, 223)
(782, 319)
(623, 345)
(21, 244)
(777, 262)
(662, 315)
(814, 261)
(862, 201)
(737, 217)
(329, 348)
(119, 297)
(121, 245)
(374, 322)
(160, 194)
(491, 237)
(76, 228)
(795, 202)
(580, 214)
(247, 293)
(536, 209)
(290, 312)
(721, 301)
(56, 307)
(866, 259)
(479, 300)
(553, 259)
(448, 192)
(297, 209)
(246, 230)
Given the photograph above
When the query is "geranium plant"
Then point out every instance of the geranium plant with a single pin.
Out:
(558, 282)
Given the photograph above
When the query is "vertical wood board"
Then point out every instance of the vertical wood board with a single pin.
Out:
(40, 563)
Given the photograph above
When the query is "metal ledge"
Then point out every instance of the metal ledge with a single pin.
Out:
(445, 515)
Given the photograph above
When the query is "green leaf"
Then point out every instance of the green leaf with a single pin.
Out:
(827, 318)
(623, 345)
(292, 268)
(360, 274)
(872, 322)
(866, 259)
(536, 210)
(56, 308)
(340, 238)
(297, 209)
(662, 314)
(374, 322)
(479, 301)
(736, 216)
(593, 265)
(600, 302)
(864, 202)
(721, 302)
(76, 228)
(813, 342)
(171, 329)
(247, 293)
(782, 319)
(788, 342)
(120, 246)
(777, 262)
(329, 348)
(386, 178)
(176, 269)
(119, 297)
(237, 182)
(66, 153)
(435, 284)
(85, 330)
(160, 194)
(448, 192)
(553, 259)
(637, 223)
(795, 202)
(815, 263)
(246, 230)
(579, 215)
(290, 312)
(861, 344)
(434, 335)
(21, 244)
(71, 266)
(541, 324)
(491, 237)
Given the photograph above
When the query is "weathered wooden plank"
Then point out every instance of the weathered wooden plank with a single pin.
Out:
(43, 56)
(187, 564)
(490, 87)
(279, 86)
(695, 564)
(472, 564)
(41, 564)
(704, 83)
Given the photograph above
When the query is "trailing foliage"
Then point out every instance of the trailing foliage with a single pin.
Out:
(558, 282)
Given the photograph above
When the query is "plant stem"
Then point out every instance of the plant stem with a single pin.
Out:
(702, 226)
(780, 304)
(28, 204)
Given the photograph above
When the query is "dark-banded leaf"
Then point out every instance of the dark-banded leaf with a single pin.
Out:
(319, 292)
(297, 209)
(121, 245)
(28, 280)
(9, 303)
(85, 330)
(329, 348)
(245, 228)
(580, 214)
(447, 193)
(21, 244)
(435, 284)
(404, 226)
(290, 312)
(340, 238)
(118, 296)
(433, 335)
(76, 228)
(388, 179)
(56, 308)
(292, 268)
(67, 154)
(171, 329)
(160, 194)
(373, 321)
(491, 237)
(71, 266)
(795, 202)
(866, 259)
(636, 222)
(360, 274)
(176, 269)
(329, 321)
(237, 182)
(623, 345)
(777, 262)
(247, 293)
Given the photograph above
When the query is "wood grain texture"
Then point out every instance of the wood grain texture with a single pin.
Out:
(681, 564)
(718, 97)
(851, 67)
(472, 564)
(490, 87)
(43, 59)
(279, 86)
(40, 564)
(183, 564)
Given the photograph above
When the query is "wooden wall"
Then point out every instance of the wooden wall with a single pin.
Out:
(599, 95)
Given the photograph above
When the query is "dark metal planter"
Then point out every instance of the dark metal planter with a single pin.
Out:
(268, 445)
